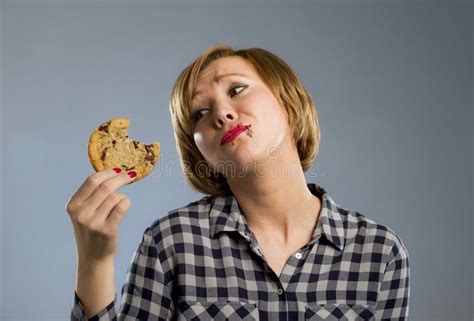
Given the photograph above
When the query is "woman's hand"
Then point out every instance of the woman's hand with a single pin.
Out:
(96, 211)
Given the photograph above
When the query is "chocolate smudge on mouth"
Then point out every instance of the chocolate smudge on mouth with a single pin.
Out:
(248, 131)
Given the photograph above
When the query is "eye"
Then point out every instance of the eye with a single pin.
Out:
(197, 115)
(234, 87)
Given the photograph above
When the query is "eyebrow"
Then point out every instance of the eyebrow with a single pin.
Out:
(217, 79)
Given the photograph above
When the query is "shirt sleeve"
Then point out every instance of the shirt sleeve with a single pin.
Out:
(146, 294)
(394, 292)
(77, 312)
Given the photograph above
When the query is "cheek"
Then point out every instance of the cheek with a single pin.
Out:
(199, 141)
(276, 127)
(205, 148)
(273, 117)
(269, 105)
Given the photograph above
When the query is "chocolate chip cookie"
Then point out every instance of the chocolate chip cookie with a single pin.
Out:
(109, 146)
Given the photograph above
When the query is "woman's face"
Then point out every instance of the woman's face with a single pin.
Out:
(229, 92)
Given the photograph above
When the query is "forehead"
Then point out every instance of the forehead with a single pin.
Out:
(222, 66)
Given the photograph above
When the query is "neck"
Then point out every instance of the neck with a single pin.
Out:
(279, 205)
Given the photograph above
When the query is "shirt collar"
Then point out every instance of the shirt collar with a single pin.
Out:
(226, 216)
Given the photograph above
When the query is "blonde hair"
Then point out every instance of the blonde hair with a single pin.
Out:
(285, 86)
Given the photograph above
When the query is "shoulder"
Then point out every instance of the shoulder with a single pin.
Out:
(363, 231)
(358, 232)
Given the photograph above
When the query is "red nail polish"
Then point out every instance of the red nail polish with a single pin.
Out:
(117, 169)
(132, 174)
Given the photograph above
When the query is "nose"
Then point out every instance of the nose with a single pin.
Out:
(223, 115)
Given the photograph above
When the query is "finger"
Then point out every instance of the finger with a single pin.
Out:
(106, 188)
(91, 183)
(118, 213)
(103, 211)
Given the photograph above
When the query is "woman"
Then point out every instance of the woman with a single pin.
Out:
(262, 244)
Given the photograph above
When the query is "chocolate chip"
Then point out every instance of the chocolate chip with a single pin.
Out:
(149, 158)
(135, 143)
(105, 127)
(148, 149)
(103, 153)
(114, 141)
(129, 168)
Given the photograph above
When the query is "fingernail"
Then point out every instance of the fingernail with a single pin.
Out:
(117, 169)
(132, 174)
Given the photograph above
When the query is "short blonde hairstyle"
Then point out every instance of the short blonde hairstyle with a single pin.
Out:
(278, 77)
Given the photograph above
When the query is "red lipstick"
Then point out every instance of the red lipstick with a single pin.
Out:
(233, 133)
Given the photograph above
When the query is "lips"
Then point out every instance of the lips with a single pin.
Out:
(233, 132)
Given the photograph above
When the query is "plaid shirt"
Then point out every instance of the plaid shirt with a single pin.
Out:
(201, 262)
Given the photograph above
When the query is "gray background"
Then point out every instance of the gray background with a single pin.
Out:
(392, 81)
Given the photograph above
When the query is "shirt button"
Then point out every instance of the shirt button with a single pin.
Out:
(298, 255)
(280, 291)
